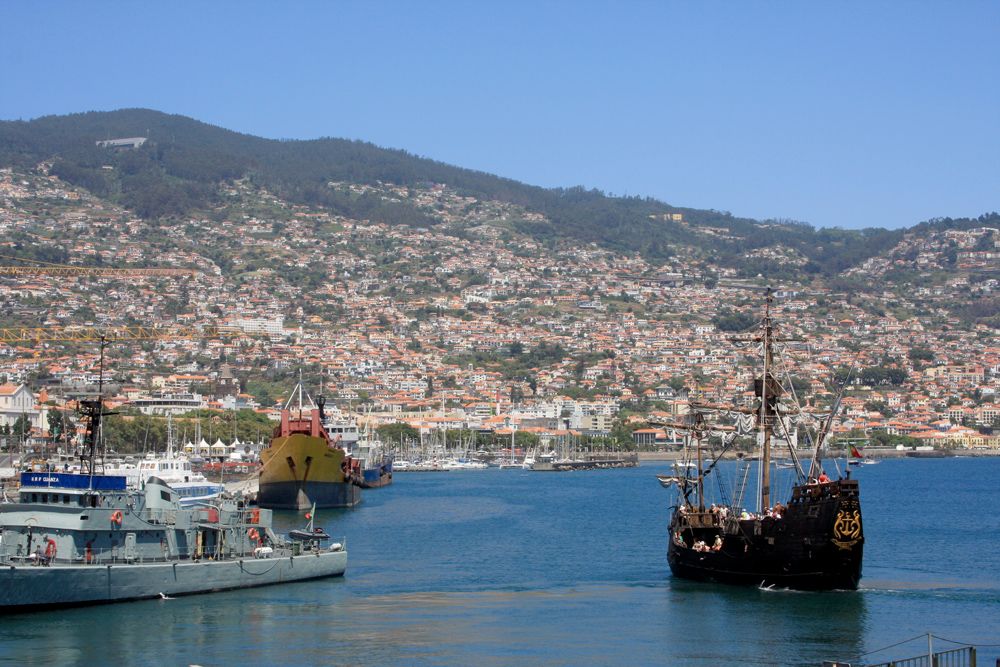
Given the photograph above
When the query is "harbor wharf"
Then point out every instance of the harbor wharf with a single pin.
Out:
(590, 462)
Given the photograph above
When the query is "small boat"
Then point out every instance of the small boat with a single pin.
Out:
(176, 470)
(858, 459)
(510, 463)
(364, 449)
(310, 532)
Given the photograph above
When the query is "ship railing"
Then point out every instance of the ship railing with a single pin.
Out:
(305, 547)
(703, 519)
(959, 657)
(816, 491)
(117, 556)
(10, 555)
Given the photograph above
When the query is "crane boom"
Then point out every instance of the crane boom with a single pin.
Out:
(40, 268)
(91, 271)
(110, 334)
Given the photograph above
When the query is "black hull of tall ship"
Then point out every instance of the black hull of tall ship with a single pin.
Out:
(817, 544)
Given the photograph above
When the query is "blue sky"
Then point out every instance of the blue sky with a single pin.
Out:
(848, 114)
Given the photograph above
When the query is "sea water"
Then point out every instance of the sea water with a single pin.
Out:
(516, 567)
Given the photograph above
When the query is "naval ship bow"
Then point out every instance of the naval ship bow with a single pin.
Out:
(811, 541)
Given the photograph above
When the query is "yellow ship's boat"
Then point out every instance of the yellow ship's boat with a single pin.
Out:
(303, 466)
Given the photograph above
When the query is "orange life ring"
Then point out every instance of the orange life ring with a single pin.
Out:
(50, 549)
(253, 534)
(116, 517)
(255, 516)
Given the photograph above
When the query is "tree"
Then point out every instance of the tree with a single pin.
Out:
(397, 432)
(880, 375)
(731, 320)
(21, 429)
(800, 385)
(59, 424)
(841, 376)
(525, 439)
(880, 407)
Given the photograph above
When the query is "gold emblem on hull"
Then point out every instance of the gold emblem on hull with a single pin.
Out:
(847, 529)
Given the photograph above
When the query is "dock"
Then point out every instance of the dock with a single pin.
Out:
(247, 487)
(590, 462)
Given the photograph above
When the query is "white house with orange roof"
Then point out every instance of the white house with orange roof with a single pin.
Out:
(17, 400)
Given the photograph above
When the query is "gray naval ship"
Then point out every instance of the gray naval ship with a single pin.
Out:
(83, 538)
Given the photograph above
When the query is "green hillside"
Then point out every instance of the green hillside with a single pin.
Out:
(179, 169)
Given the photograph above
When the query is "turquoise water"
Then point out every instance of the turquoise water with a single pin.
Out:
(515, 567)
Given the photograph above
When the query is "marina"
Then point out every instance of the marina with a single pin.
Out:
(732, 272)
(496, 568)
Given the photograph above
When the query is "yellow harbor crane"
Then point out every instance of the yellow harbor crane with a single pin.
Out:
(107, 334)
(49, 269)
(97, 334)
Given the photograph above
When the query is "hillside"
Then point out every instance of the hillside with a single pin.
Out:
(184, 166)
(469, 309)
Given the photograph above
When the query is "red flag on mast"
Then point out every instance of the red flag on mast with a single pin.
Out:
(855, 453)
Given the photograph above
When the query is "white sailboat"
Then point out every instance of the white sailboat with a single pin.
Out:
(510, 463)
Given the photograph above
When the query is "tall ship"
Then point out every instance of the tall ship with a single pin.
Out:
(814, 540)
(78, 538)
(304, 466)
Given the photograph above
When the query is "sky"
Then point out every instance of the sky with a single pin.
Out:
(838, 114)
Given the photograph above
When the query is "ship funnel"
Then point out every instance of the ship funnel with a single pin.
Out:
(159, 495)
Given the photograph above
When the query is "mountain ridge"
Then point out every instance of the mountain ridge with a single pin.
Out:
(183, 164)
